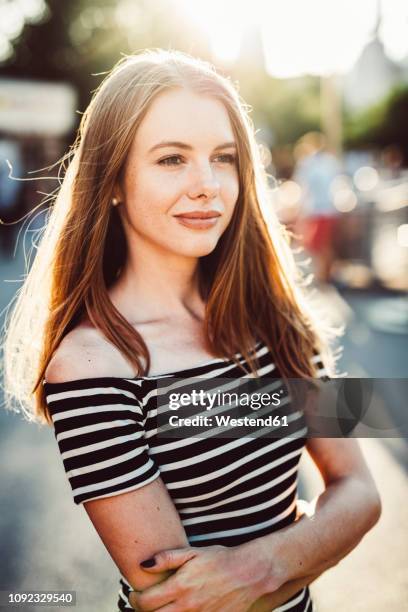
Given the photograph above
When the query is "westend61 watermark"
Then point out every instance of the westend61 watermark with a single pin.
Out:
(272, 407)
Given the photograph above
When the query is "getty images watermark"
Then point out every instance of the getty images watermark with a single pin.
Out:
(208, 401)
(272, 407)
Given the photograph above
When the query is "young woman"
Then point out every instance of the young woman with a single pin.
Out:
(157, 266)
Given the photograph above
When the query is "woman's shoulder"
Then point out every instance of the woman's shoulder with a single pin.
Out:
(85, 353)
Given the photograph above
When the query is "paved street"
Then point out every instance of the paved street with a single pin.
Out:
(374, 577)
(48, 543)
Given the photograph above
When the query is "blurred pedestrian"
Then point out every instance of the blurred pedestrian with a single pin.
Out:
(315, 170)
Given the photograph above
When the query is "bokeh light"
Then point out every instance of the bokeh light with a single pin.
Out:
(289, 193)
(13, 17)
(365, 178)
(344, 198)
(402, 235)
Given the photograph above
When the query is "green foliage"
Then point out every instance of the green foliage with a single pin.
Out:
(383, 124)
(289, 108)
(80, 39)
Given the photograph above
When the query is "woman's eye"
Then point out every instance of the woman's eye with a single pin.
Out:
(170, 161)
(227, 158)
(176, 160)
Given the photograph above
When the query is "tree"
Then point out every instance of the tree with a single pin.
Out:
(78, 40)
(381, 125)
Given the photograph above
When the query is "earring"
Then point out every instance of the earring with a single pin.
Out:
(115, 201)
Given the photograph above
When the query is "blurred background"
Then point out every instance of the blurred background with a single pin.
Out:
(327, 83)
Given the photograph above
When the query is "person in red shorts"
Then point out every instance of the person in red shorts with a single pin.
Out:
(316, 169)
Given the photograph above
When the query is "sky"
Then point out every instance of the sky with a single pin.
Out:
(300, 37)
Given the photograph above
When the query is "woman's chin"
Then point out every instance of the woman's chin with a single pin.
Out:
(202, 251)
(200, 248)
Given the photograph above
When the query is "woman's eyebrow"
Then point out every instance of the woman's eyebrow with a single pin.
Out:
(183, 145)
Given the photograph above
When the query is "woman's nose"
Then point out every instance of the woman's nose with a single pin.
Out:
(204, 181)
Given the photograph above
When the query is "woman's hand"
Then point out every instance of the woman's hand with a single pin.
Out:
(208, 579)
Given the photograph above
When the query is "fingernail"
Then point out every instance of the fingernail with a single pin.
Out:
(148, 563)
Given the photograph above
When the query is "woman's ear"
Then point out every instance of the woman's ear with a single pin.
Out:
(118, 195)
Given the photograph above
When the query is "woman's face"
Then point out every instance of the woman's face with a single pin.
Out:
(182, 161)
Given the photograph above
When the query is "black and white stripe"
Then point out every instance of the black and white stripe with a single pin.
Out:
(227, 490)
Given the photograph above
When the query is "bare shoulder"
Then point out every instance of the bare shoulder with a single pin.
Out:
(85, 353)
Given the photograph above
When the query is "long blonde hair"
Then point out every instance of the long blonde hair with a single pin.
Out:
(250, 282)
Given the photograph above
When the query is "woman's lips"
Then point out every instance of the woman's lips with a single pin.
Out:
(197, 223)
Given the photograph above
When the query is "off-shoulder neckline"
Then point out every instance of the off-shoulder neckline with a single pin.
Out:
(174, 374)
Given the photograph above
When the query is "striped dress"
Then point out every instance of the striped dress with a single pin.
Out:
(227, 490)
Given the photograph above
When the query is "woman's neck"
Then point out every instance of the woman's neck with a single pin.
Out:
(165, 289)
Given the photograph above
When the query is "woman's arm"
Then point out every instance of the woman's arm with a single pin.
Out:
(270, 601)
(136, 525)
(278, 565)
(343, 513)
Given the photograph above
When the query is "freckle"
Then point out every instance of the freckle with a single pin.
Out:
(135, 541)
(157, 507)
